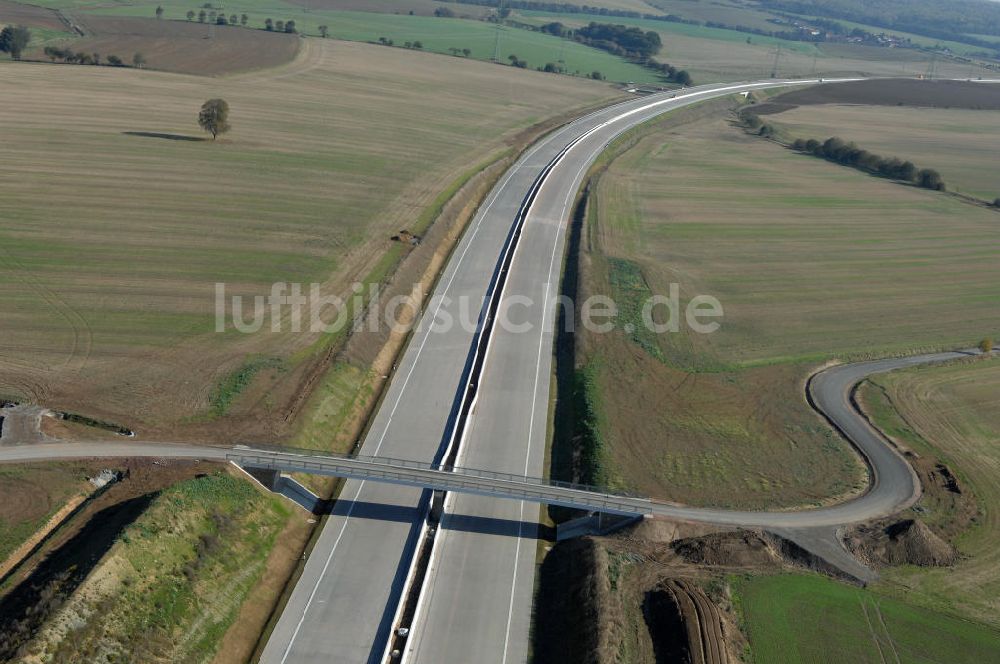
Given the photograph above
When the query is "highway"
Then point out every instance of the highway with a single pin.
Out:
(476, 604)
(344, 605)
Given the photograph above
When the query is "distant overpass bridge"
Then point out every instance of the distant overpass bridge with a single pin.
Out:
(431, 476)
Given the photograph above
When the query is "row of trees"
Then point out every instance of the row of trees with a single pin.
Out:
(219, 18)
(281, 26)
(848, 154)
(627, 42)
(14, 39)
(385, 41)
(79, 58)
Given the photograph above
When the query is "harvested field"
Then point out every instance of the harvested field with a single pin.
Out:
(962, 144)
(810, 261)
(893, 92)
(417, 7)
(30, 494)
(435, 34)
(189, 48)
(15, 13)
(948, 415)
(717, 54)
(117, 226)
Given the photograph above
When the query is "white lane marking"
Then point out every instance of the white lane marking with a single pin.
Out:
(402, 391)
(534, 401)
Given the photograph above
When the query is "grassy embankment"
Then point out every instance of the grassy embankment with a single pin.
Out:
(811, 262)
(173, 581)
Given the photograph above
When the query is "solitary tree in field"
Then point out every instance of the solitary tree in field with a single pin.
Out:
(14, 40)
(244, 19)
(190, 15)
(214, 117)
(986, 345)
(268, 24)
(290, 27)
(138, 60)
(324, 31)
(418, 44)
(202, 15)
(466, 52)
(159, 11)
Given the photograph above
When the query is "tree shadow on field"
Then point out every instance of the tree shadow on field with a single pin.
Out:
(169, 137)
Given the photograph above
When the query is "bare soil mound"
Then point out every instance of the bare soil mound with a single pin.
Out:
(906, 542)
(750, 549)
(891, 92)
(14, 13)
(188, 48)
(743, 548)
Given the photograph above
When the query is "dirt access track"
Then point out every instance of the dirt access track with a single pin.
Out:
(186, 48)
(14, 13)
(891, 92)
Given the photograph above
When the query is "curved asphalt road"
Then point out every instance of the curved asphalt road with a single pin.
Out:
(479, 594)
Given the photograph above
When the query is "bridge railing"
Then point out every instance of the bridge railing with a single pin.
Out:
(422, 465)
(464, 480)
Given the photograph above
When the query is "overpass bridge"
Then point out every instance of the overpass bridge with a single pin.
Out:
(441, 478)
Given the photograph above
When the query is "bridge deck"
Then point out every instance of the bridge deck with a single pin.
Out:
(462, 480)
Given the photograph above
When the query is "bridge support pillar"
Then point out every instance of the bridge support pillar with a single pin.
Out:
(595, 523)
(271, 479)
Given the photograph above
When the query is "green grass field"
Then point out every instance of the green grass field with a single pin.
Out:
(436, 34)
(949, 413)
(715, 54)
(810, 619)
(810, 261)
(117, 224)
(961, 144)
